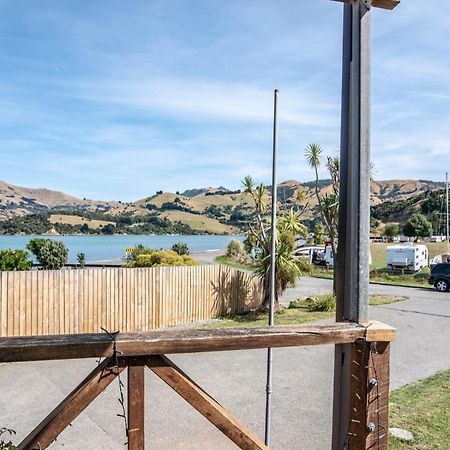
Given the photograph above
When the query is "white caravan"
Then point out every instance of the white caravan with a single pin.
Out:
(409, 256)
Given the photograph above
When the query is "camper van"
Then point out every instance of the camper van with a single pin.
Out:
(409, 257)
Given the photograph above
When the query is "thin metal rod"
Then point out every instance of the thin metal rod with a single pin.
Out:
(446, 210)
(272, 286)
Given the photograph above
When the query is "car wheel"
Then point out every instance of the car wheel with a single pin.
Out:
(441, 285)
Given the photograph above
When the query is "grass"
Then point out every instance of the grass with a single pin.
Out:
(378, 275)
(378, 251)
(299, 311)
(423, 409)
(76, 220)
(284, 316)
(226, 260)
(198, 222)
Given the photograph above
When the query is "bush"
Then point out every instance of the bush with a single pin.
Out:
(53, 255)
(14, 260)
(162, 258)
(81, 258)
(6, 445)
(322, 303)
(35, 246)
(235, 250)
(181, 248)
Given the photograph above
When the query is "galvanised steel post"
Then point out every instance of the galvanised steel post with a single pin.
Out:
(272, 287)
(354, 203)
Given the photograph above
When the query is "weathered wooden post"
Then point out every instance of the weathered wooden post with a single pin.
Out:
(136, 414)
(354, 216)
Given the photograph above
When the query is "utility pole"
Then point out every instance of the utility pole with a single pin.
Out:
(352, 281)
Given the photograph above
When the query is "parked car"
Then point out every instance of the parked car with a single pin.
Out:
(440, 277)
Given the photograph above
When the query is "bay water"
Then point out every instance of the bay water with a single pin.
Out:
(104, 248)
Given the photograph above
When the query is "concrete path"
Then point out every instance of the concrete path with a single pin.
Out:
(303, 379)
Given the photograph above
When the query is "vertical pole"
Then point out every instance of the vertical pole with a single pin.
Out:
(447, 235)
(272, 286)
(136, 367)
(354, 204)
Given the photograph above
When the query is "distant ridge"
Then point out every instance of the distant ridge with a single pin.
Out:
(211, 209)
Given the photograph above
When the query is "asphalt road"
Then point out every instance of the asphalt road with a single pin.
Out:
(302, 384)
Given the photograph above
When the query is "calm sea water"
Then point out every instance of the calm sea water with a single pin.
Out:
(100, 248)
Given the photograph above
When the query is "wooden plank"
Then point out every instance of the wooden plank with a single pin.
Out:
(49, 429)
(369, 395)
(378, 331)
(384, 4)
(136, 415)
(204, 403)
(185, 340)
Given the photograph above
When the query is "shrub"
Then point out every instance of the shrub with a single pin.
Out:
(14, 260)
(35, 246)
(161, 258)
(235, 250)
(6, 445)
(53, 255)
(323, 303)
(181, 248)
(81, 258)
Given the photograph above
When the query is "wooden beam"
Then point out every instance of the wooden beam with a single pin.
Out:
(369, 396)
(156, 342)
(136, 415)
(383, 4)
(204, 403)
(49, 429)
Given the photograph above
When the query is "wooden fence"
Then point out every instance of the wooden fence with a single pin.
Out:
(82, 301)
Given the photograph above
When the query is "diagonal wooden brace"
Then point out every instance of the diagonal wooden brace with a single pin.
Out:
(204, 403)
(84, 394)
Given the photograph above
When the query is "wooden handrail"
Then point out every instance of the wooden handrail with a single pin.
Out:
(175, 340)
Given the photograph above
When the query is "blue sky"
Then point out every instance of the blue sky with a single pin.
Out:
(114, 100)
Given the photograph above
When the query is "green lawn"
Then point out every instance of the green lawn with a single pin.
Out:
(299, 312)
(423, 408)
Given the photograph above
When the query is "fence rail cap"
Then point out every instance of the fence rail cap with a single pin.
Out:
(187, 340)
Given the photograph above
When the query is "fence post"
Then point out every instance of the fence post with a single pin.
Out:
(369, 395)
(136, 366)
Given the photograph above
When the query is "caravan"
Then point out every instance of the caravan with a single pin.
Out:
(409, 256)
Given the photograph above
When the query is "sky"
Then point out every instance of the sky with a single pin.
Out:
(115, 100)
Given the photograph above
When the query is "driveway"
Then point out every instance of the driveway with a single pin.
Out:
(302, 396)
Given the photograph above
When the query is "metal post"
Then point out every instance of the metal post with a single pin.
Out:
(273, 229)
(354, 203)
(447, 236)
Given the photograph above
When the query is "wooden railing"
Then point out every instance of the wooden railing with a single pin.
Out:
(369, 385)
(84, 300)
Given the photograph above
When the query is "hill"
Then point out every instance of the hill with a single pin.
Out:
(19, 201)
(199, 210)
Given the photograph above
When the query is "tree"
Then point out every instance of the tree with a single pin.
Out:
(328, 202)
(53, 255)
(417, 226)
(288, 265)
(181, 248)
(14, 260)
(391, 230)
(319, 236)
(35, 246)
(108, 229)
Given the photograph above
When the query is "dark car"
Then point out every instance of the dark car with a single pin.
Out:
(440, 277)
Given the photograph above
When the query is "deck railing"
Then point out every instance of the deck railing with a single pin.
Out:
(369, 385)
